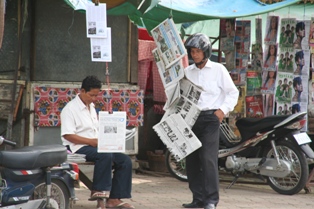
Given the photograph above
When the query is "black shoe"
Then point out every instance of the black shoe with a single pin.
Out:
(209, 206)
(194, 204)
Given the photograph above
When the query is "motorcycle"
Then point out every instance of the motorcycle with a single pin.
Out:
(274, 148)
(36, 177)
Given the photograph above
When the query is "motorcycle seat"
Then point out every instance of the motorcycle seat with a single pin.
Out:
(248, 127)
(33, 156)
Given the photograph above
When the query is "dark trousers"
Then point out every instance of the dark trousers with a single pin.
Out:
(202, 164)
(120, 183)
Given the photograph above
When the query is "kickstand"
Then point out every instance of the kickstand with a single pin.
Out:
(233, 181)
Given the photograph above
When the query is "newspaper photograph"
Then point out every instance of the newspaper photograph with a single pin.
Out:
(190, 90)
(187, 109)
(168, 75)
(168, 42)
(101, 48)
(177, 136)
(96, 21)
(112, 130)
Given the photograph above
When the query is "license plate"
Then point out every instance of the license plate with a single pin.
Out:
(302, 138)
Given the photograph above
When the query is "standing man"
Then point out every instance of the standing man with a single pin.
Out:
(79, 130)
(220, 95)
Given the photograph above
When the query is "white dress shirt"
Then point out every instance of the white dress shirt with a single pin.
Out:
(77, 119)
(219, 89)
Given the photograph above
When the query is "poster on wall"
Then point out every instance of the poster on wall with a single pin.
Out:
(302, 30)
(270, 57)
(287, 32)
(286, 59)
(271, 30)
(283, 91)
(254, 106)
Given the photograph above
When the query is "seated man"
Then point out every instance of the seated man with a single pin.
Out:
(79, 130)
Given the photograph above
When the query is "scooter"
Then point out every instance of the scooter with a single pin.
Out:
(273, 147)
(36, 177)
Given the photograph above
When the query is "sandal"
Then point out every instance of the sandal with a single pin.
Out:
(122, 205)
(98, 195)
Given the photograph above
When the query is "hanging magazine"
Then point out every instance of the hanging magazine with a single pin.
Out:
(253, 83)
(254, 106)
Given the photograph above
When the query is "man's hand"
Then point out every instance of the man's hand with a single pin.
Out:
(220, 114)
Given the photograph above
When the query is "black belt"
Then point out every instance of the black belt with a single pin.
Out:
(207, 112)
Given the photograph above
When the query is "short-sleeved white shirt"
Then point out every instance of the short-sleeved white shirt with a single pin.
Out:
(77, 119)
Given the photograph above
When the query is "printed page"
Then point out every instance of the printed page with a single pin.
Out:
(101, 48)
(168, 42)
(254, 106)
(287, 32)
(271, 30)
(170, 75)
(284, 86)
(190, 90)
(177, 136)
(172, 94)
(112, 131)
(187, 109)
(96, 21)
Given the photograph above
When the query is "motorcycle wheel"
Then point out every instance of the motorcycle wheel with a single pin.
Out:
(176, 169)
(58, 192)
(296, 180)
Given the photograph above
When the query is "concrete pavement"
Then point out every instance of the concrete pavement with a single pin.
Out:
(163, 191)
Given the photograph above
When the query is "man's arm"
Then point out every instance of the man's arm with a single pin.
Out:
(231, 91)
(76, 139)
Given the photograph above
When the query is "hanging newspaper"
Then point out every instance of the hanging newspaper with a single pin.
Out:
(96, 21)
(168, 42)
(177, 136)
(101, 48)
(168, 75)
(112, 131)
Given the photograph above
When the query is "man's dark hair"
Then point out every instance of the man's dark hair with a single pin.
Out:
(299, 26)
(91, 82)
(297, 81)
(295, 108)
(298, 55)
